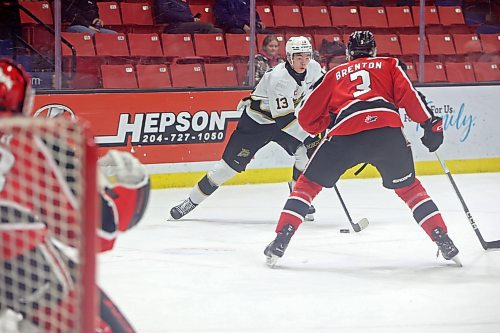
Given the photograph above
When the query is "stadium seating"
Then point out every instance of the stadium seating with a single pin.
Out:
(209, 45)
(266, 15)
(220, 75)
(318, 39)
(144, 45)
(206, 11)
(238, 45)
(316, 16)
(153, 76)
(388, 45)
(430, 15)
(410, 45)
(109, 12)
(81, 41)
(486, 71)
(399, 17)
(241, 71)
(347, 16)
(434, 72)
(40, 9)
(467, 43)
(459, 72)
(441, 44)
(411, 71)
(118, 76)
(187, 75)
(287, 16)
(177, 45)
(111, 45)
(136, 13)
(373, 17)
(490, 43)
(450, 15)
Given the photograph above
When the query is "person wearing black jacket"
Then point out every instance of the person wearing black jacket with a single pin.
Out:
(83, 16)
(180, 19)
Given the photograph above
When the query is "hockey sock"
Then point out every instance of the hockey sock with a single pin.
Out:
(219, 174)
(424, 210)
(298, 203)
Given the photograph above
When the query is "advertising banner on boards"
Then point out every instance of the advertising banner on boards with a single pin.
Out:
(187, 131)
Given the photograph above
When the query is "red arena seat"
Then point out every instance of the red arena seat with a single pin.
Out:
(136, 13)
(459, 72)
(388, 45)
(399, 17)
(316, 16)
(220, 75)
(144, 45)
(109, 12)
(111, 44)
(449, 15)
(40, 9)
(490, 43)
(81, 41)
(441, 44)
(205, 10)
(373, 17)
(187, 75)
(467, 43)
(287, 16)
(433, 72)
(153, 76)
(265, 14)
(209, 45)
(486, 71)
(430, 15)
(177, 45)
(118, 76)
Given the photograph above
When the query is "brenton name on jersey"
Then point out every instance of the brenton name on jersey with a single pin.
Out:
(356, 67)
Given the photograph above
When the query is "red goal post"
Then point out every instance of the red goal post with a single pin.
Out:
(48, 219)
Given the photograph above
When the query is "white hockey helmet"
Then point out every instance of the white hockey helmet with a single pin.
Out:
(297, 45)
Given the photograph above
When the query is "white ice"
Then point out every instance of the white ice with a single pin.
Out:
(207, 272)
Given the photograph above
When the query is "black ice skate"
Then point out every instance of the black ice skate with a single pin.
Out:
(310, 214)
(182, 209)
(445, 245)
(277, 247)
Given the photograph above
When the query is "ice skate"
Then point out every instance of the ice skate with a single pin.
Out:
(310, 214)
(182, 209)
(445, 245)
(277, 247)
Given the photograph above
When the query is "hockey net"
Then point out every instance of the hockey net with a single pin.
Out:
(48, 212)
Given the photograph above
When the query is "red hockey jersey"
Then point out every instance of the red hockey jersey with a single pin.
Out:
(362, 94)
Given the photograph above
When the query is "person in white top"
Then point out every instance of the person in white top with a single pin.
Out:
(268, 114)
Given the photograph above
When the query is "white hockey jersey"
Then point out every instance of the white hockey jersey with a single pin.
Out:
(278, 93)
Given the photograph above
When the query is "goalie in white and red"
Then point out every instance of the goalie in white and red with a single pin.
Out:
(35, 271)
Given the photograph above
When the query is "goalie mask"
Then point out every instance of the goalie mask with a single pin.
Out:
(361, 45)
(15, 89)
(297, 45)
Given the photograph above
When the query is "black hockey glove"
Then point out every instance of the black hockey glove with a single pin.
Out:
(433, 133)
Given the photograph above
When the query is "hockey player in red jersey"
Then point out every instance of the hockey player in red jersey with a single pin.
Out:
(358, 102)
(124, 191)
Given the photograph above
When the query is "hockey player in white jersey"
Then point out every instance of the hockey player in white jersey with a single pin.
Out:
(268, 114)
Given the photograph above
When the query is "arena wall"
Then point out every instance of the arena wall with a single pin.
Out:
(179, 134)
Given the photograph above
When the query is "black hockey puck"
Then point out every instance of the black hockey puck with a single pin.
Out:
(345, 231)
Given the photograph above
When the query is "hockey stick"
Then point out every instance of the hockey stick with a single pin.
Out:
(486, 245)
(362, 224)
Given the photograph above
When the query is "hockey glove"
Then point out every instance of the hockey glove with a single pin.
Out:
(433, 133)
(125, 185)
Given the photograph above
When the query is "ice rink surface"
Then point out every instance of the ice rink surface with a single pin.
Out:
(207, 272)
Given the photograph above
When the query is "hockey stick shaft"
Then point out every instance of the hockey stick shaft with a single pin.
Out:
(486, 245)
(357, 227)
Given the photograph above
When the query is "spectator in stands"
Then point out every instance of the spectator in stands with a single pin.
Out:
(180, 19)
(267, 58)
(234, 17)
(83, 16)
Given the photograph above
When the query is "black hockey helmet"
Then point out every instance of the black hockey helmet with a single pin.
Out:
(361, 45)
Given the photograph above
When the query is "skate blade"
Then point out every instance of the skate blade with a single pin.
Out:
(457, 261)
(272, 260)
(309, 217)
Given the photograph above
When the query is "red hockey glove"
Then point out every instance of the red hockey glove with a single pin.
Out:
(433, 133)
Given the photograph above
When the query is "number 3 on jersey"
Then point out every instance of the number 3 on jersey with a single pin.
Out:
(364, 86)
